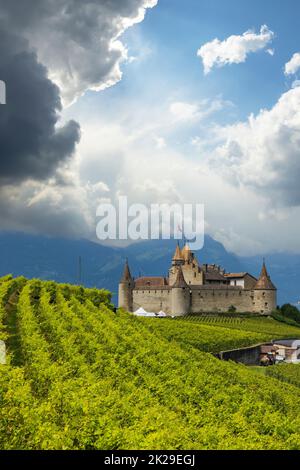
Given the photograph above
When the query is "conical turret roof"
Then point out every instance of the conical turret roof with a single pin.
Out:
(264, 282)
(126, 274)
(186, 252)
(178, 255)
(180, 281)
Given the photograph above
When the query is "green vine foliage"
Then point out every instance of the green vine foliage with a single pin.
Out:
(80, 376)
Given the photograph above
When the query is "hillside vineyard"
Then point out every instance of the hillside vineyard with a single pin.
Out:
(80, 376)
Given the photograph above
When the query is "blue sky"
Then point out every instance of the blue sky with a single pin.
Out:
(174, 30)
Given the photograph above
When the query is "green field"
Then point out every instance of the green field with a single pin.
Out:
(80, 376)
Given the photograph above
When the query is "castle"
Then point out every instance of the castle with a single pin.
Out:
(192, 288)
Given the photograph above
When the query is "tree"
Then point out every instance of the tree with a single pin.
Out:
(290, 311)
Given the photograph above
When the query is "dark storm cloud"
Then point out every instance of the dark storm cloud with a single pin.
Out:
(31, 146)
(69, 42)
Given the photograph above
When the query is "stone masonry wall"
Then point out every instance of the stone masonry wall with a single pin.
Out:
(153, 300)
(220, 300)
(207, 300)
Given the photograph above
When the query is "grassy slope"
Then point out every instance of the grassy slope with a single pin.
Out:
(90, 378)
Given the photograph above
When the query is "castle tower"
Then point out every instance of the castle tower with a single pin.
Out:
(265, 293)
(187, 253)
(177, 258)
(180, 295)
(125, 289)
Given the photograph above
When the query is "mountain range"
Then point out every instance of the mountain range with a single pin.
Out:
(94, 265)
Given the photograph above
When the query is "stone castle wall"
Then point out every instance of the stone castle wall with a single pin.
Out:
(220, 300)
(206, 300)
(153, 300)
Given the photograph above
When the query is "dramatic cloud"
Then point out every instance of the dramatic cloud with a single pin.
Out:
(292, 67)
(120, 152)
(113, 159)
(264, 152)
(32, 145)
(48, 208)
(65, 46)
(77, 40)
(234, 49)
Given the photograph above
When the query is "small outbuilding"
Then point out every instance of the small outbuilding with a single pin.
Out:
(288, 349)
(268, 354)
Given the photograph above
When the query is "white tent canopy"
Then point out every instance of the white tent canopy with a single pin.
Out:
(162, 314)
(141, 312)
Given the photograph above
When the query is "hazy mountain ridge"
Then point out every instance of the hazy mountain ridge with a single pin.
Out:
(58, 259)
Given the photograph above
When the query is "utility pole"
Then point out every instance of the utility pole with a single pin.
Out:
(80, 270)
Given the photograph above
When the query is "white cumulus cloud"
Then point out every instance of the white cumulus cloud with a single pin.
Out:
(234, 49)
(264, 152)
(292, 67)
